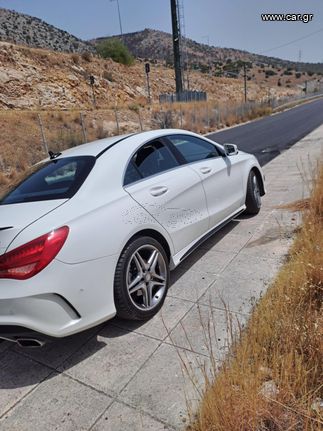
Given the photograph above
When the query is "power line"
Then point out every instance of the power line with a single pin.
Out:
(292, 41)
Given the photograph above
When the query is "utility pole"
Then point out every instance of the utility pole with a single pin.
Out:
(299, 55)
(119, 14)
(207, 37)
(245, 82)
(176, 44)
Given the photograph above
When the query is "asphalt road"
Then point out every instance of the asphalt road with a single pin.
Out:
(268, 137)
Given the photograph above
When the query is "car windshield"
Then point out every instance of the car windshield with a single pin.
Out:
(56, 179)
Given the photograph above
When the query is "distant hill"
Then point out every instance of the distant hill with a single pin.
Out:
(157, 46)
(149, 44)
(23, 29)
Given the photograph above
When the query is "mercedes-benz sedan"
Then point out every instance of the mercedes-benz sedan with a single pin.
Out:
(94, 231)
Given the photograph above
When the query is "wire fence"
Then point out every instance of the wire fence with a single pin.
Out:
(31, 135)
(184, 96)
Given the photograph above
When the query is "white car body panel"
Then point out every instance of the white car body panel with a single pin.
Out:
(177, 202)
(75, 291)
(223, 187)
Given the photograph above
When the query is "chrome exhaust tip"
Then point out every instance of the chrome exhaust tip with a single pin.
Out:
(30, 343)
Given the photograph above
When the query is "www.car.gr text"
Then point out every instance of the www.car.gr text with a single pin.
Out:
(303, 17)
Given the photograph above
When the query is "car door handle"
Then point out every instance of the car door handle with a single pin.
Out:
(158, 191)
(205, 170)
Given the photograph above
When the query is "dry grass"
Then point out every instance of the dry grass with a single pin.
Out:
(21, 141)
(300, 205)
(273, 380)
(203, 117)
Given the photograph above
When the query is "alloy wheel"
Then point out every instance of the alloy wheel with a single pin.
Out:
(146, 277)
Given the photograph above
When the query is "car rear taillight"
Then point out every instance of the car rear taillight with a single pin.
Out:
(31, 258)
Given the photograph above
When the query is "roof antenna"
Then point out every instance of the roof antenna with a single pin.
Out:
(53, 155)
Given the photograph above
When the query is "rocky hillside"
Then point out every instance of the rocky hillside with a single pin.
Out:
(33, 78)
(27, 30)
(157, 45)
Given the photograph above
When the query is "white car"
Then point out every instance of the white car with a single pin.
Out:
(94, 231)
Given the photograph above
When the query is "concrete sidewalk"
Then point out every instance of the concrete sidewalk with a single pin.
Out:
(131, 376)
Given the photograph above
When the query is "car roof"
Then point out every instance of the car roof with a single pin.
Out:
(93, 148)
(96, 148)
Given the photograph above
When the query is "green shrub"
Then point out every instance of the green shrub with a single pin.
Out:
(204, 68)
(115, 49)
(270, 72)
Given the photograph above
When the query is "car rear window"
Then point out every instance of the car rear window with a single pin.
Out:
(57, 179)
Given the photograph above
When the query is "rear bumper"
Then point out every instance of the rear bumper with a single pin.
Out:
(38, 313)
(60, 301)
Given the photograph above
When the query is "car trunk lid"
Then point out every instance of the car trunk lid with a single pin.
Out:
(16, 217)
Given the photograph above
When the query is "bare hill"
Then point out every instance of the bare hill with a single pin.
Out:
(149, 44)
(27, 30)
(157, 46)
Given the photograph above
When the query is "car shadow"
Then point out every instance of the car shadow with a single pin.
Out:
(25, 367)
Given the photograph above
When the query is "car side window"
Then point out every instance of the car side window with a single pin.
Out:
(151, 159)
(193, 149)
(132, 174)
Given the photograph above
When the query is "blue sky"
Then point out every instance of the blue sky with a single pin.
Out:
(226, 23)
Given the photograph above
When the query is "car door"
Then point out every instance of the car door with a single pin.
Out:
(172, 193)
(221, 176)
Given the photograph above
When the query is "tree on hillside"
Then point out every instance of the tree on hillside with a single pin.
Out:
(115, 49)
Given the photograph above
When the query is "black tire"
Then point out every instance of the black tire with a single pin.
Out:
(253, 198)
(135, 306)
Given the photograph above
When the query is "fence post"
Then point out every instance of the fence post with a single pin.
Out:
(117, 120)
(181, 116)
(42, 134)
(207, 116)
(164, 119)
(83, 127)
(140, 121)
(2, 165)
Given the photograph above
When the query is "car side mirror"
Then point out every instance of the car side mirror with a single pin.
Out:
(230, 149)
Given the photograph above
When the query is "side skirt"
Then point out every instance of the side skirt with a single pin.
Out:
(209, 234)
